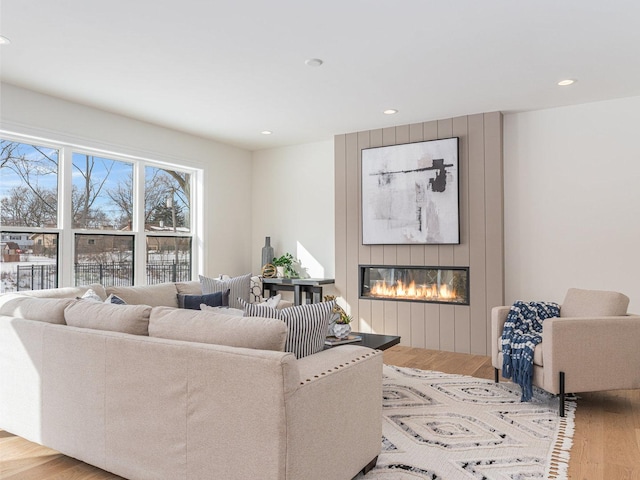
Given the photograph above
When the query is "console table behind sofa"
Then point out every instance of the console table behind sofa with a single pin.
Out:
(311, 287)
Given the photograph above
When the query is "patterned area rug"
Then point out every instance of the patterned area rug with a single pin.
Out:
(454, 427)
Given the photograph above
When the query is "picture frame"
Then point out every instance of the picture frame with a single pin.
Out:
(410, 193)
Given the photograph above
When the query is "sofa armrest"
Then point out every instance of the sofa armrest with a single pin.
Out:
(596, 353)
(337, 410)
(498, 318)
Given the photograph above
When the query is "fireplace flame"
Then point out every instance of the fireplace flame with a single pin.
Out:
(413, 291)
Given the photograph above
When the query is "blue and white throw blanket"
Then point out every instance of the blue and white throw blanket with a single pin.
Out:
(522, 332)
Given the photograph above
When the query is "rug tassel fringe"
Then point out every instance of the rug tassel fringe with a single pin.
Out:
(558, 458)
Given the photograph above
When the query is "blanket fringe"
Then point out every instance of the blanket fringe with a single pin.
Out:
(558, 457)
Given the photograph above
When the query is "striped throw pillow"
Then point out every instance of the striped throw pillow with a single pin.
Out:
(307, 324)
(259, 310)
(239, 287)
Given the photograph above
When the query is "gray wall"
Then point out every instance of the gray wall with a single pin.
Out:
(434, 326)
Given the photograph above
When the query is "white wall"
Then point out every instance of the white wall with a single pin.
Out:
(293, 191)
(227, 170)
(572, 191)
(572, 201)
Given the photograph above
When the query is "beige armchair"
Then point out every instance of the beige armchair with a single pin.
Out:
(593, 346)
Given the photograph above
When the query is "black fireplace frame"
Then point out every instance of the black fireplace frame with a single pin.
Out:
(361, 283)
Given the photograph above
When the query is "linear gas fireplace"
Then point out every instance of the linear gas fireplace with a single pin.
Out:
(415, 284)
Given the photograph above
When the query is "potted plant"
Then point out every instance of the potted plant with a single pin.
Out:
(342, 327)
(284, 265)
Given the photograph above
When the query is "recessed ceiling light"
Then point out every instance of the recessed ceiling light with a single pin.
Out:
(266, 132)
(564, 83)
(390, 111)
(313, 62)
(4, 40)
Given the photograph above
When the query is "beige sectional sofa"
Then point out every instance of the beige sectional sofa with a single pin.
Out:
(155, 407)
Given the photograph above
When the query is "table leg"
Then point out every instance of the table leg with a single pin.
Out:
(269, 289)
(297, 294)
(317, 294)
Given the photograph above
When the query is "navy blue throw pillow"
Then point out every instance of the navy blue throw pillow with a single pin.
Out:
(218, 299)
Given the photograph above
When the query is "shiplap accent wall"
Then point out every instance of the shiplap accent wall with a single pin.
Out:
(426, 325)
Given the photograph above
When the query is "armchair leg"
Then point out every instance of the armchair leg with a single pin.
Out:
(562, 393)
(496, 375)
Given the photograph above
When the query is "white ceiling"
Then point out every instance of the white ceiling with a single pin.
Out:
(228, 70)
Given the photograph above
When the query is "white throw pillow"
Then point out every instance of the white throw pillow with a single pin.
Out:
(273, 301)
(91, 295)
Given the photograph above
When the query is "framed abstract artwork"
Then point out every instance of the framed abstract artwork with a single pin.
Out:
(410, 194)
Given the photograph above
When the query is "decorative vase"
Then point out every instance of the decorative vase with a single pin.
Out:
(341, 330)
(280, 271)
(267, 251)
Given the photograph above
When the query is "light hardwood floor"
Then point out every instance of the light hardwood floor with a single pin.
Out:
(606, 442)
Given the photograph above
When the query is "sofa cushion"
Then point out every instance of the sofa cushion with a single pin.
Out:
(210, 327)
(307, 324)
(189, 288)
(132, 319)
(159, 295)
(50, 310)
(236, 312)
(239, 287)
(593, 303)
(218, 299)
(67, 292)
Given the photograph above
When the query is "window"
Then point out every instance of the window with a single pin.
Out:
(168, 259)
(167, 209)
(102, 193)
(30, 265)
(99, 210)
(167, 200)
(28, 200)
(104, 259)
(28, 185)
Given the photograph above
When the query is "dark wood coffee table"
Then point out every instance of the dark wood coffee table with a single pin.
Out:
(373, 340)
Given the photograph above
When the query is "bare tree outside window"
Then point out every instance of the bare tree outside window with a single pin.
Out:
(28, 185)
(95, 180)
(167, 209)
(167, 200)
(102, 204)
(28, 198)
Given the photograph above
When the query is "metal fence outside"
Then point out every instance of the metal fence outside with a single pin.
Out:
(38, 277)
(162, 272)
(109, 274)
